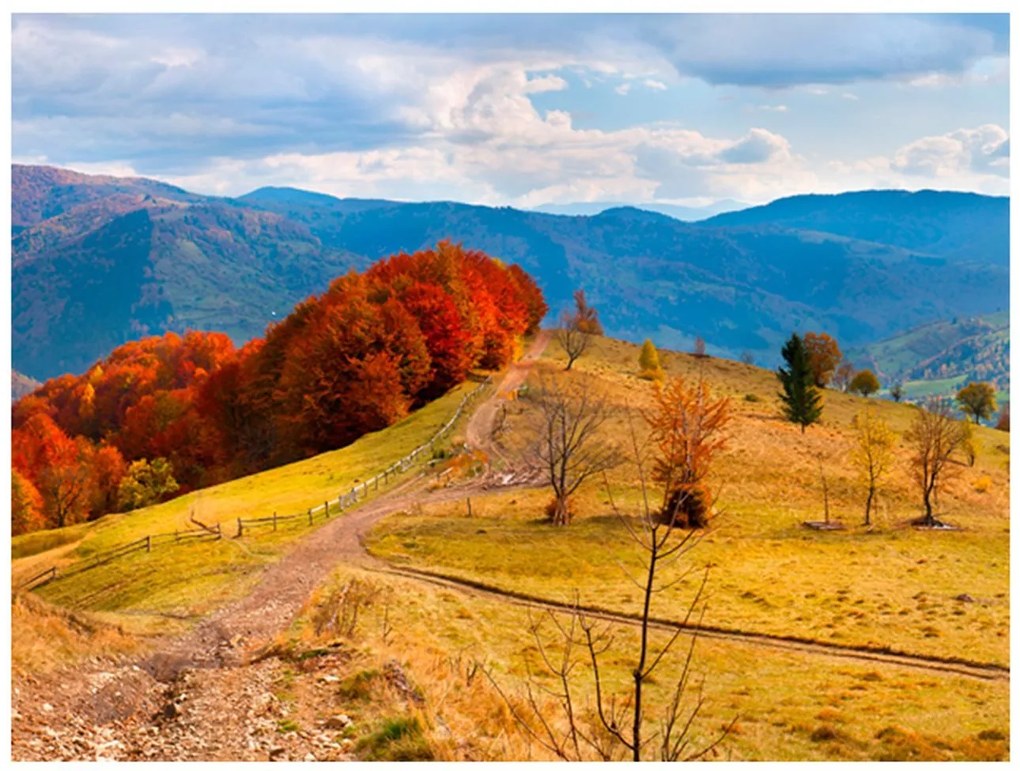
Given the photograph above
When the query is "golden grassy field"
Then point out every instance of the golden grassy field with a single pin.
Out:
(888, 586)
(885, 586)
(789, 705)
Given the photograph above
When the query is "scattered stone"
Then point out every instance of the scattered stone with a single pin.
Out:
(310, 758)
(46, 707)
(275, 752)
(338, 722)
(964, 598)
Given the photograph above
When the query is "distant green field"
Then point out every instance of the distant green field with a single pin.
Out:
(961, 349)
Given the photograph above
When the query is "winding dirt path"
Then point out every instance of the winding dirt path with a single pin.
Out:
(196, 698)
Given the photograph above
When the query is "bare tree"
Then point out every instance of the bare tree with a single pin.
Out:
(935, 436)
(872, 453)
(577, 328)
(566, 439)
(574, 341)
(614, 726)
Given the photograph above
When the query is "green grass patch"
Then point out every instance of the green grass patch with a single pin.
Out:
(397, 738)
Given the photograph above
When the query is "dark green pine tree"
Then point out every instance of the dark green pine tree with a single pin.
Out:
(802, 401)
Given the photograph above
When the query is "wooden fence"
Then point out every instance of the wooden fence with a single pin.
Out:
(360, 491)
(344, 501)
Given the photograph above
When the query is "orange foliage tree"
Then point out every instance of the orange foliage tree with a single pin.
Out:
(687, 425)
(823, 356)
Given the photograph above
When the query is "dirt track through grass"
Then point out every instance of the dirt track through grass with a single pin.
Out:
(976, 669)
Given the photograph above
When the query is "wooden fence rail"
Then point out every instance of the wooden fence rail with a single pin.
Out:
(344, 501)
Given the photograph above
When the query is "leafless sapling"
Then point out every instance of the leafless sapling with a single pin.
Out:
(566, 438)
(934, 437)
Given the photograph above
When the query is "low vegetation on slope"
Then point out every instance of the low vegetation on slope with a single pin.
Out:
(175, 583)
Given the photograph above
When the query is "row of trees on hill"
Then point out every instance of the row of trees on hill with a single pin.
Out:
(935, 437)
(174, 413)
(811, 365)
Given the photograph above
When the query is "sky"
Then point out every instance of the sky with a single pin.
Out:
(520, 110)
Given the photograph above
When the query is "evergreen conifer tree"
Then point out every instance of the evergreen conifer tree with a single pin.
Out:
(802, 401)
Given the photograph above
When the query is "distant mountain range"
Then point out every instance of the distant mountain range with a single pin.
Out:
(686, 213)
(100, 260)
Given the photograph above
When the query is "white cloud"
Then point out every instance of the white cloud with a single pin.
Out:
(623, 89)
(655, 85)
(981, 150)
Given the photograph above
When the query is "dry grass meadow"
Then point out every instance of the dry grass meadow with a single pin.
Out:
(886, 587)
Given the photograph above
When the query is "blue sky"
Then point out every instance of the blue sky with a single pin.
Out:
(521, 110)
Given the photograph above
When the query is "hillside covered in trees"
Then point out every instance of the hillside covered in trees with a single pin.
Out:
(173, 413)
(99, 261)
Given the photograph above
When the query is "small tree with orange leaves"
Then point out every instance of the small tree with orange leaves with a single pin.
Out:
(823, 356)
(687, 425)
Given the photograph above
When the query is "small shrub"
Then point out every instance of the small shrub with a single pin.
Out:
(689, 506)
(655, 375)
(359, 686)
(992, 735)
(397, 739)
(340, 611)
(823, 734)
(550, 510)
(752, 398)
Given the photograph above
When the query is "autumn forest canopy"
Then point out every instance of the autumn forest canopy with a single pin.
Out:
(168, 414)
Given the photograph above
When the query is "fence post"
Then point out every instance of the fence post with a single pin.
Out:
(177, 536)
(274, 520)
(219, 531)
(376, 481)
(240, 528)
(469, 506)
(148, 543)
(309, 516)
(325, 505)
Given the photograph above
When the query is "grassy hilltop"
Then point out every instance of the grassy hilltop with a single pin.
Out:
(942, 595)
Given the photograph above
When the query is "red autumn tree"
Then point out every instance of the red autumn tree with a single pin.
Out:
(26, 505)
(823, 356)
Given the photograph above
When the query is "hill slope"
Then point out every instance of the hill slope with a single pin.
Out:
(167, 259)
(957, 226)
(963, 349)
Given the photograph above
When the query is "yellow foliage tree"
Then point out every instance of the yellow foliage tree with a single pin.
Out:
(649, 362)
(872, 454)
